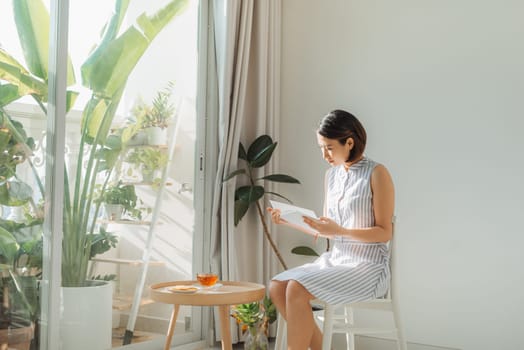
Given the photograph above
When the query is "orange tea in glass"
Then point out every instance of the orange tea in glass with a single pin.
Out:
(207, 279)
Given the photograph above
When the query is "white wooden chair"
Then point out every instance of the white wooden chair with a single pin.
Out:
(331, 321)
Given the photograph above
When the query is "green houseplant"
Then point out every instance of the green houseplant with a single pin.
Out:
(105, 73)
(255, 318)
(15, 148)
(122, 195)
(148, 160)
(152, 119)
(258, 154)
(18, 292)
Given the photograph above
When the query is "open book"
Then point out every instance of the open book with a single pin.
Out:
(293, 214)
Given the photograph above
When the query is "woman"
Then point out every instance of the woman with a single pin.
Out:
(358, 209)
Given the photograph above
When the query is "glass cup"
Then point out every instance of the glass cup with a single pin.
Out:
(207, 279)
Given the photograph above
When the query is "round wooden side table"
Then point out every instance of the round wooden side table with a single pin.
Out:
(230, 293)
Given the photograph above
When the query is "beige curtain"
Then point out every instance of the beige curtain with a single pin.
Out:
(247, 52)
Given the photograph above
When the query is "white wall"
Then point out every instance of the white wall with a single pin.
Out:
(439, 87)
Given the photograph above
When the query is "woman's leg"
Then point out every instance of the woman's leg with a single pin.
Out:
(302, 331)
(277, 293)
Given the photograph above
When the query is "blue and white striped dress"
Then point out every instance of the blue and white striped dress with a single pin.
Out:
(351, 271)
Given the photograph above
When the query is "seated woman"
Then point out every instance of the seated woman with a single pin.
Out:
(358, 209)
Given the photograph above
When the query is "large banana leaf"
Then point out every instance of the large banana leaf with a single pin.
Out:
(110, 64)
(105, 72)
(107, 69)
(8, 94)
(32, 23)
(12, 71)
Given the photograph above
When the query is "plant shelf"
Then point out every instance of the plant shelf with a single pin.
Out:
(122, 303)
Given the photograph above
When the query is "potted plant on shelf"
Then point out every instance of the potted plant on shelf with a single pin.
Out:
(119, 199)
(105, 74)
(152, 119)
(149, 162)
(254, 319)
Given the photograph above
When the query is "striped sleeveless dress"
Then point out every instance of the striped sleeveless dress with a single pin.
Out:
(351, 271)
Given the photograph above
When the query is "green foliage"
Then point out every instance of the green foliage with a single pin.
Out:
(304, 250)
(15, 193)
(102, 241)
(149, 159)
(15, 146)
(18, 293)
(259, 154)
(105, 73)
(106, 277)
(124, 195)
(161, 112)
(143, 115)
(255, 314)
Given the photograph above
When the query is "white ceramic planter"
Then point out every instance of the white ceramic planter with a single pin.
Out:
(156, 136)
(114, 211)
(86, 317)
(140, 138)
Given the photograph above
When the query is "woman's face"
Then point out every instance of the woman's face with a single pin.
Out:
(332, 151)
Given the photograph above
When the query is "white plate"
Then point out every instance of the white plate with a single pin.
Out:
(213, 287)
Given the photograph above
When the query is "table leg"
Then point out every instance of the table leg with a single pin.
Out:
(225, 319)
(171, 328)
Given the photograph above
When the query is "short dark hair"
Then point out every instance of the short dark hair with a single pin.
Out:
(341, 125)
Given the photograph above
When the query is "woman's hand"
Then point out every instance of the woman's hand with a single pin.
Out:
(323, 225)
(275, 216)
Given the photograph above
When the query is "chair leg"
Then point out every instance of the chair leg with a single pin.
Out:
(327, 332)
(401, 341)
(281, 338)
(348, 321)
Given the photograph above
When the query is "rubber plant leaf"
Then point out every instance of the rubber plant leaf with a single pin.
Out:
(279, 195)
(260, 143)
(263, 157)
(303, 250)
(234, 173)
(241, 207)
(244, 196)
(242, 152)
(33, 23)
(281, 178)
(249, 194)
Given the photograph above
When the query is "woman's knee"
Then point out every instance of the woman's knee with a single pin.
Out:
(296, 291)
(277, 290)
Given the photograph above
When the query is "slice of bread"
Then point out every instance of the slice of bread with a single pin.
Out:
(183, 288)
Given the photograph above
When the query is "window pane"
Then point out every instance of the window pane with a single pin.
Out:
(106, 149)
